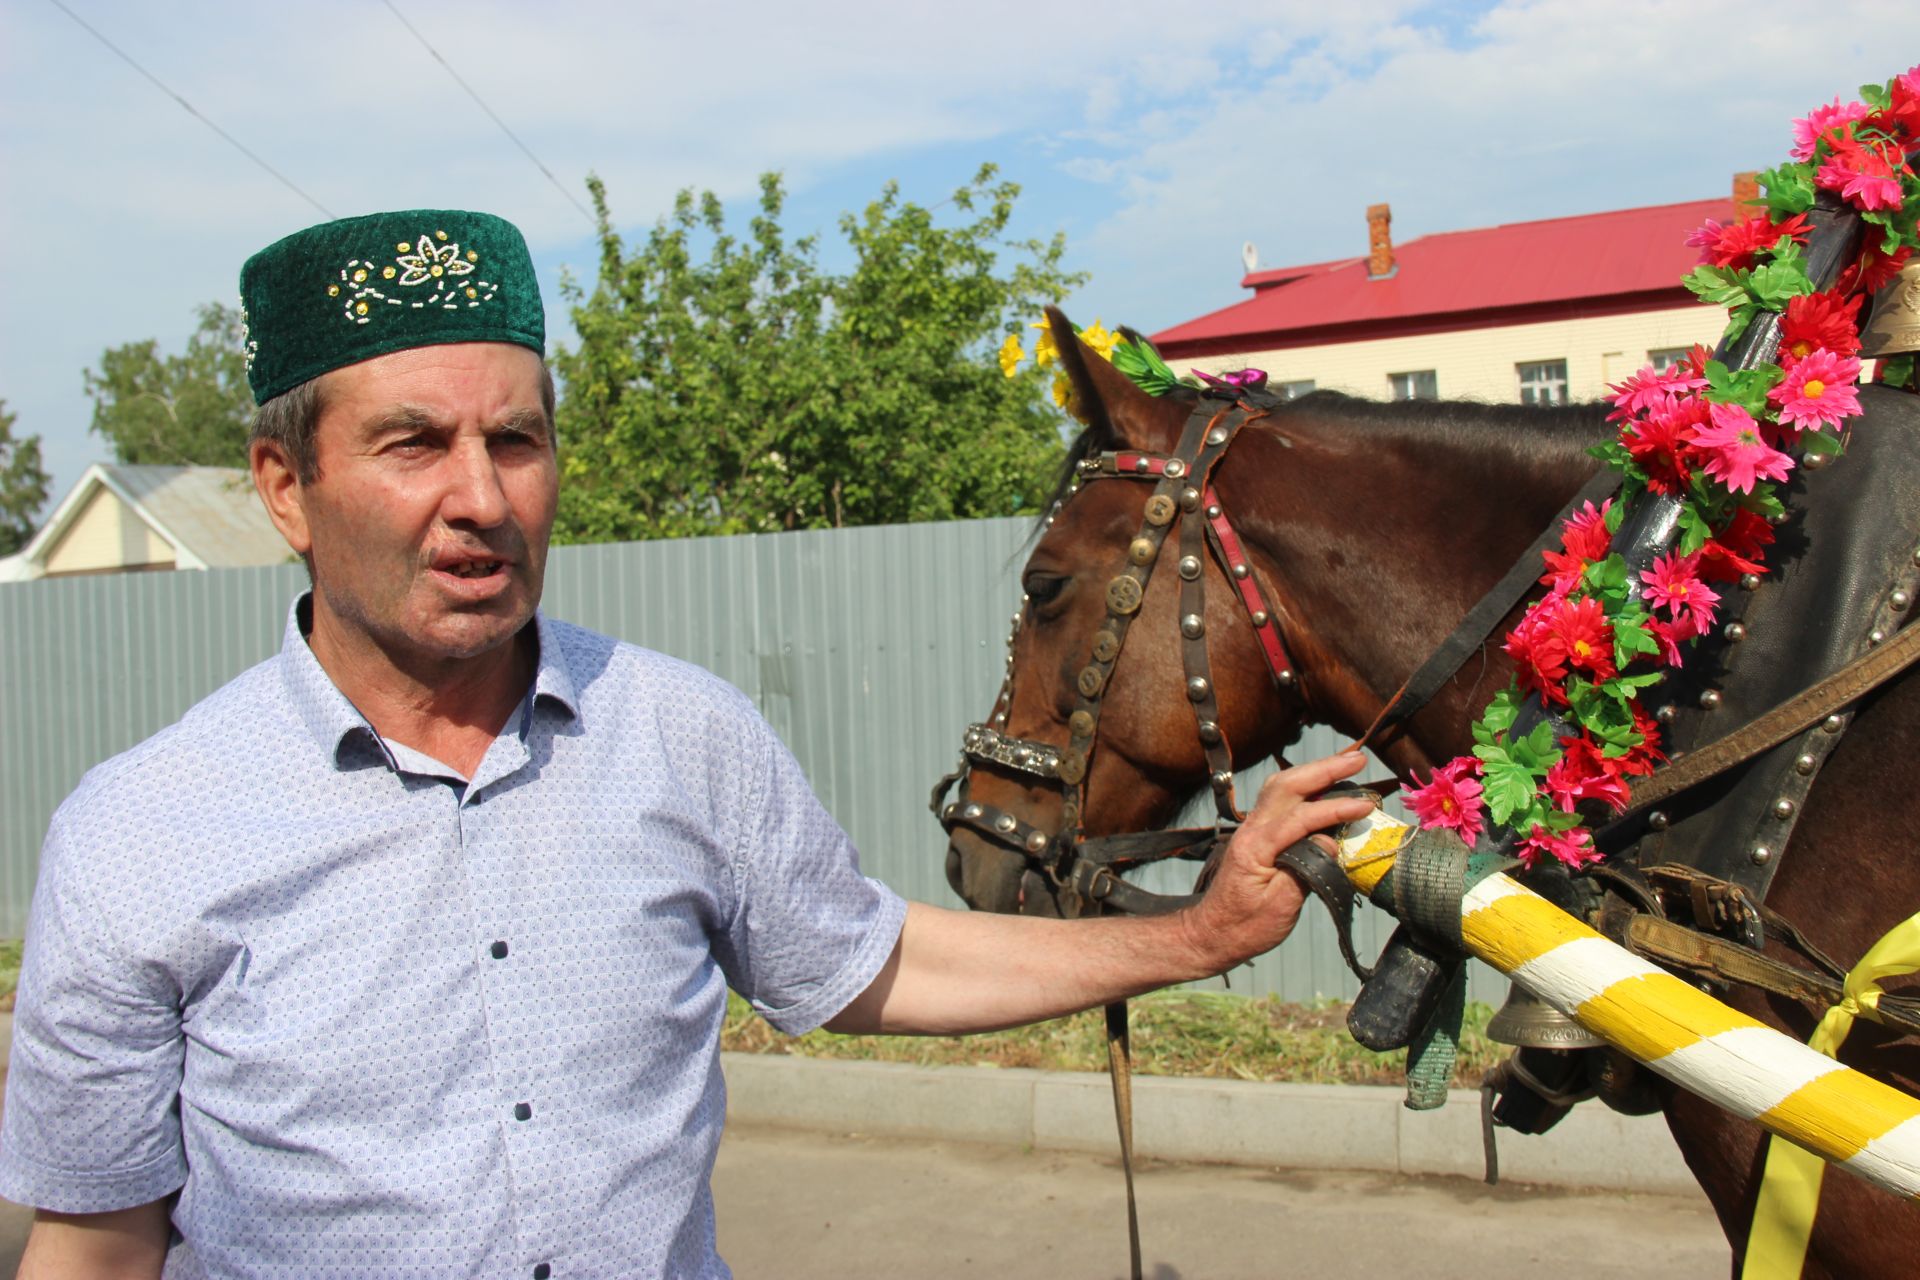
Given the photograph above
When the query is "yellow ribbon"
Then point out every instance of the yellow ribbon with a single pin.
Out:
(1790, 1187)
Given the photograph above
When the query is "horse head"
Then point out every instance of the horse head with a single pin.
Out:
(1108, 606)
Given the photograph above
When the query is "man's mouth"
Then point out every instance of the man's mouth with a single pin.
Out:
(475, 568)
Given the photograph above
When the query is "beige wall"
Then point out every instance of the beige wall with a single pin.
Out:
(1478, 364)
(106, 535)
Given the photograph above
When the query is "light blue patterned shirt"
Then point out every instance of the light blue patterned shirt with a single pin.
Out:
(373, 1019)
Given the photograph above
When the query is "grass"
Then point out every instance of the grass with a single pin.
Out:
(1175, 1033)
(9, 970)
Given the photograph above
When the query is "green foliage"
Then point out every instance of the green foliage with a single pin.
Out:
(23, 485)
(177, 410)
(1511, 772)
(750, 390)
(1789, 189)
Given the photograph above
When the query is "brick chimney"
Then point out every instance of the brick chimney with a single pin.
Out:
(1379, 242)
(1746, 193)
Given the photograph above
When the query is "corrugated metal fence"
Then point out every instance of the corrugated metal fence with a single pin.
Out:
(866, 649)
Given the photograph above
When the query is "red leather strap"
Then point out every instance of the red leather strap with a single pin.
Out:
(1250, 595)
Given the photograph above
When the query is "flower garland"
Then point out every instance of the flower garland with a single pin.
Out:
(1719, 440)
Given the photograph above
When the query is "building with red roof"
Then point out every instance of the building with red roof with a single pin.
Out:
(1545, 311)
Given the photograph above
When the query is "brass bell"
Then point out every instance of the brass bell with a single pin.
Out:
(1529, 1022)
(1893, 328)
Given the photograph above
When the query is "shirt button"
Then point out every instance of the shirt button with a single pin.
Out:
(499, 950)
(522, 1111)
(542, 1271)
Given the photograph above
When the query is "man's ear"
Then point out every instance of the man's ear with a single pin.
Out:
(1109, 401)
(280, 489)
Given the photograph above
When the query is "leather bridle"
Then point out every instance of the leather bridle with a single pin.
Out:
(1084, 874)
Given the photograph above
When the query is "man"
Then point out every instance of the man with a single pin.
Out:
(405, 953)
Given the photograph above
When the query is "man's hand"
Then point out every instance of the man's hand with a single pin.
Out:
(1252, 905)
(955, 972)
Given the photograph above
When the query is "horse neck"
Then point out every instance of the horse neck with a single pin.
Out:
(1381, 526)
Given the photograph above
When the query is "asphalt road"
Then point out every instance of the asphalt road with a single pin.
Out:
(807, 1206)
(801, 1206)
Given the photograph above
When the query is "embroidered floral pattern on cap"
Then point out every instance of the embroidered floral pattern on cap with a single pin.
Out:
(430, 267)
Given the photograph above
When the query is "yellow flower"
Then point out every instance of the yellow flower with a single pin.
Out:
(1044, 352)
(1010, 354)
(1096, 336)
(1062, 389)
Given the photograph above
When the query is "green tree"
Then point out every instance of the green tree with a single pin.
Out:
(750, 390)
(23, 485)
(189, 409)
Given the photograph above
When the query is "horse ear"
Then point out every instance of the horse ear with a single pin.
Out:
(1108, 400)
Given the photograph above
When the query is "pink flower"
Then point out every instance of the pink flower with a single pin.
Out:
(1573, 847)
(1818, 391)
(1652, 390)
(1670, 634)
(1674, 583)
(1736, 455)
(1872, 186)
(1451, 798)
(1807, 131)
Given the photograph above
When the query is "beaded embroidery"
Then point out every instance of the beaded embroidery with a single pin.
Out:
(427, 260)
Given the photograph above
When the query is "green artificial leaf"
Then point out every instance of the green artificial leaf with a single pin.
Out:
(1785, 277)
(1898, 370)
(1507, 787)
(1720, 286)
(1764, 500)
(1694, 529)
(1607, 578)
(1824, 443)
(1789, 190)
(1498, 717)
(1537, 751)
(1632, 639)
(1618, 511)
(1141, 363)
(1877, 96)
(1745, 387)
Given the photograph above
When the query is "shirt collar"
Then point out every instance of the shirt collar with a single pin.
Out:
(336, 724)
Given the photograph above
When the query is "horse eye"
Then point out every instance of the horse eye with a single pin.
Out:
(1043, 587)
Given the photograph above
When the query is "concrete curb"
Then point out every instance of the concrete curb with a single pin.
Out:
(1297, 1126)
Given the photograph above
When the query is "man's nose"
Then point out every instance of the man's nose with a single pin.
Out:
(474, 493)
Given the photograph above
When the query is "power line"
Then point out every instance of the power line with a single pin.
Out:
(232, 141)
(491, 115)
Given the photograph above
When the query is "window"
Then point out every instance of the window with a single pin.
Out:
(1666, 357)
(1543, 382)
(1421, 385)
(1294, 390)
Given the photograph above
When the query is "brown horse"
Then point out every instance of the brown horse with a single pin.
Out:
(1372, 528)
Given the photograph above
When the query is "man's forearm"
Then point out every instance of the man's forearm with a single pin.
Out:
(958, 972)
(126, 1244)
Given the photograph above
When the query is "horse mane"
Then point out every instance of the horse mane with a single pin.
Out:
(1529, 435)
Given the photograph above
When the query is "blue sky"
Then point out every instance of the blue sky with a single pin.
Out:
(1158, 138)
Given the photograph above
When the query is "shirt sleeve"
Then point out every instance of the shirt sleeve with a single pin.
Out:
(92, 1119)
(808, 932)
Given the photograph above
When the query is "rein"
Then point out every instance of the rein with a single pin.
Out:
(1085, 872)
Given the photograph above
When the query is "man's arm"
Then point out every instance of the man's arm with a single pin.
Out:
(959, 972)
(127, 1244)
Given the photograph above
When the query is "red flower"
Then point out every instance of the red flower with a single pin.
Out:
(1640, 761)
(1811, 130)
(1573, 847)
(1903, 112)
(1873, 270)
(1451, 798)
(1539, 655)
(1582, 773)
(1671, 635)
(1582, 629)
(1662, 444)
(1816, 321)
(1735, 244)
(1584, 539)
(1736, 549)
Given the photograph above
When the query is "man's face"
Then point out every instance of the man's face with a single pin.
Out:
(427, 525)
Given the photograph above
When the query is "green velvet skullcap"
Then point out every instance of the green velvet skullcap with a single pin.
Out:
(350, 290)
